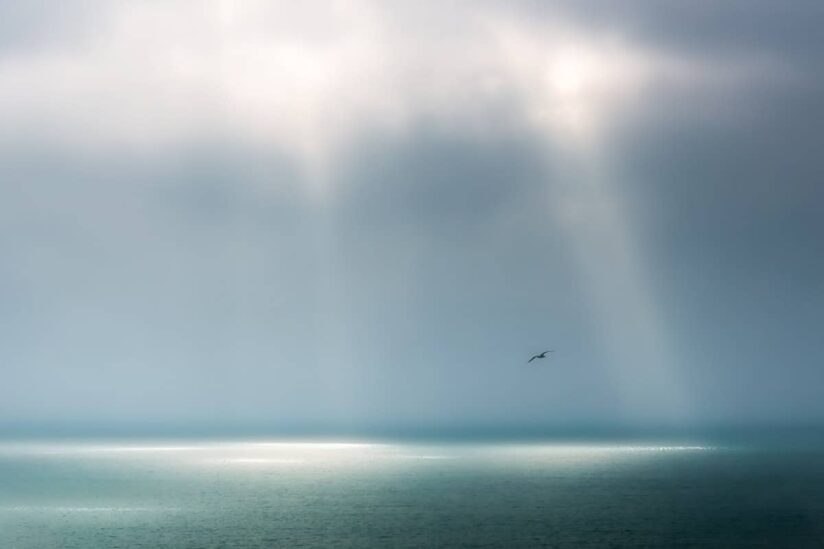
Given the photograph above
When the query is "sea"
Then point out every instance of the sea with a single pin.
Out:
(210, 493)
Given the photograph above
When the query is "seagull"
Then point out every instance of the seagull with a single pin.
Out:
(542, 355)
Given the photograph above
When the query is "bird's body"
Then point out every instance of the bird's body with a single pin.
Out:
(540, 355)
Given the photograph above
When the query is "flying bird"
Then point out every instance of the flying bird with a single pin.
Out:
(542, 355)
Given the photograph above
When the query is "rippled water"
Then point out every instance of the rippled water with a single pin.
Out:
(304, 494)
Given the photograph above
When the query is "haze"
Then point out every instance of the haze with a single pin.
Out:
(368, 215)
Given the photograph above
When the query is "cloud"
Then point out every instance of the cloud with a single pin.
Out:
(307, 79)
(498, 174)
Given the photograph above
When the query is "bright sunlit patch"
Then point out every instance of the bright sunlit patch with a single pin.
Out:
(256, 461)
(146, 449)
(425, 457)
(593, 450)
(620, 449)
(314, 445)
(668, 448)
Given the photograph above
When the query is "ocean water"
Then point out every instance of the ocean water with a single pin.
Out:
(108, 493)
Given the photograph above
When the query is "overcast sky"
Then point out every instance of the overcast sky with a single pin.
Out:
(362, 214)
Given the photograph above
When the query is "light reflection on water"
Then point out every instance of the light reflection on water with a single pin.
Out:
(296, 455)
(349, 448)
(305, 455)
(267, 493)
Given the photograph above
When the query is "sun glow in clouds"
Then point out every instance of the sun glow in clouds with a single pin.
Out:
(572, 81)
(582, 82)
(308, 80)
(576, 85)
(304, 78)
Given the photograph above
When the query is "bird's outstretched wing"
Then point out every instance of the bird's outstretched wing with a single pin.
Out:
(531, 359)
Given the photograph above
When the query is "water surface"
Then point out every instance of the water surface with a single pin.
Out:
(108, 493)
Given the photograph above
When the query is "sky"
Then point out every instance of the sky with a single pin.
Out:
(368, 215)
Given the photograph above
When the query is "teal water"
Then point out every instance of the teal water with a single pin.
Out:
(302, 494)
